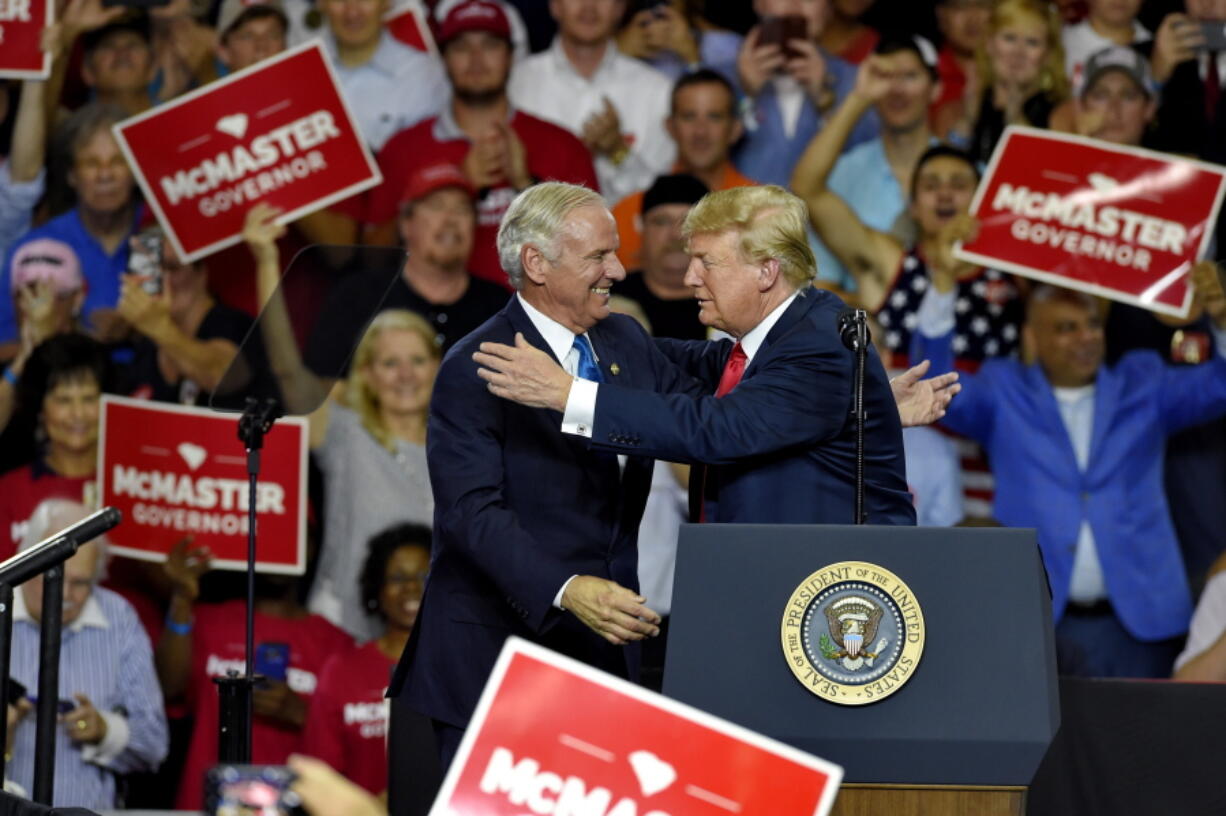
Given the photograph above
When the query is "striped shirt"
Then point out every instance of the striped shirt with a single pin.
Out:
(105, 655)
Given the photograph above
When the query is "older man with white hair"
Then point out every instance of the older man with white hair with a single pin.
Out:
(112, 720)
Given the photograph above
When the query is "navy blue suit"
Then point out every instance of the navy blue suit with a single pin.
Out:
(520, 507)
(782, 444)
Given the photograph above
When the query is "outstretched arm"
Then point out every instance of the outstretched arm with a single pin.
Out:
(871, 256)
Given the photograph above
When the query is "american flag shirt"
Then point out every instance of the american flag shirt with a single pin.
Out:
(988, 315)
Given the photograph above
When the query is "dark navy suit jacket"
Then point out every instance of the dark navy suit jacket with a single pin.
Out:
(782, 444)
(520, 507)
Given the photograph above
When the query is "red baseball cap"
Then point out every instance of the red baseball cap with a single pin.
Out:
(430, 177)
(475, 15)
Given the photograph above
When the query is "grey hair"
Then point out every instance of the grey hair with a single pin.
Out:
(535, 218)
(53, 515)
(86, 123)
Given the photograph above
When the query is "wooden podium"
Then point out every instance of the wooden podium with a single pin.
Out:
(969, 729)
(929, 800)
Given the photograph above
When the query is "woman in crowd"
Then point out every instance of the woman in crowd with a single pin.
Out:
(368, 437)
(348, 720)
(57, 398)
(1020, 78)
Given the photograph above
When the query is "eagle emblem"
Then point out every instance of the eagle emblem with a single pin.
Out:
(853, 623)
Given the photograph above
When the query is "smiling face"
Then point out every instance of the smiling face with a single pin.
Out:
(1017, 50)
(439, 228)
(944, 187)
(964, 23)
(70, 416)
(400, 597)
(911, 89)
(728, 287)
(1066, 335)
(401, 373)
(573, 289)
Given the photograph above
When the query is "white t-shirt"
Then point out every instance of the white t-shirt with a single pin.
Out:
(1081, 41)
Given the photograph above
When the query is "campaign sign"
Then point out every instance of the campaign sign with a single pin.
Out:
(279, 132)
(410, 27)
(1120, 222)
(21, 25)
(554, 736)
(175, 471)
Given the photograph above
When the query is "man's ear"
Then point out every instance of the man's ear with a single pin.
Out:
(935, 93)
(768, 274)
(534, 263)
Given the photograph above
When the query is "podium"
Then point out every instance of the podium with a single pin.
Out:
(965, 731)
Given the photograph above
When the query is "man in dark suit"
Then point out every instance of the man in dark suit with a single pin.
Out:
(531, 524)
(773, 422)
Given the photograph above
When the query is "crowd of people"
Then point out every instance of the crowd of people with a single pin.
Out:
(1101, 425)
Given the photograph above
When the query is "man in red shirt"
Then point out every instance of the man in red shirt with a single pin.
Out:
(499, 149)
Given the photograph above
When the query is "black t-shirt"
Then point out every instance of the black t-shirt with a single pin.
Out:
(340, 324)
(669, 318)
(145, 377)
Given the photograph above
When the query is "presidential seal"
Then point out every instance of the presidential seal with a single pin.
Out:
(853, 633)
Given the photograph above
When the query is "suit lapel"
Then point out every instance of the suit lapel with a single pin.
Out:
(791, 316)
(1049, 412)
(1106, 397)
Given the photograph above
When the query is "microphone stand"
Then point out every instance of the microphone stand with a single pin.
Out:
(853, 329)
(234, 691)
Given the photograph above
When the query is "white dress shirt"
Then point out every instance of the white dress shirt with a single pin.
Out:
(546, 85)
(393, 90)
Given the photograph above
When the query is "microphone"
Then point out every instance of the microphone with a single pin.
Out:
(92, 526)
(851, 323)
(55, 550)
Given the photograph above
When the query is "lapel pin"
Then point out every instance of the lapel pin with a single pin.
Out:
(615, 369)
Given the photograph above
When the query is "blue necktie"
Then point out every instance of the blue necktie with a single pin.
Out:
(587, 368)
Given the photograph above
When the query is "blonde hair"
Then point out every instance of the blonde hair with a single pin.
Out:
(358, 393)
(771, 223)
(1052, 80)
(536, 218)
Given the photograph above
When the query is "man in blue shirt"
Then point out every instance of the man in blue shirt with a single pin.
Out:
(788, 90)
(116, 723)
(97, 228)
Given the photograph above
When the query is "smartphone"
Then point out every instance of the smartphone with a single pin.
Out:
(250, 790)
(136, 3)
(1214, 32)
(782, 30)
(145, 260)
(62, 706)
(272, 660)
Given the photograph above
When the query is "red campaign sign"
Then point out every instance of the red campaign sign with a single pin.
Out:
(175, 471)
(554, 736)
(1120, 222)
(279, 131)
(409, 25)
(21, 25)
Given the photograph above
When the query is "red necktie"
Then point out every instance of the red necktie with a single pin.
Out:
(1213, 87)
(734, 369)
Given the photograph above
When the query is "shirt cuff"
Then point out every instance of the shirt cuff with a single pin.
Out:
(112, 745)
(557, 599)
(935, 316)
(1219, 339)
(580, 409)
(24, 194)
